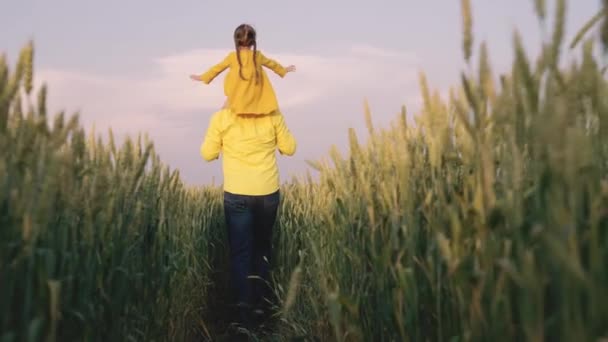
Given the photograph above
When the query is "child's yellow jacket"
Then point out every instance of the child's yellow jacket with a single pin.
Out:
(247, 96)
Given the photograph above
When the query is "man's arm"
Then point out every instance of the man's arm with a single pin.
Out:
(286, 143)
(212, 144)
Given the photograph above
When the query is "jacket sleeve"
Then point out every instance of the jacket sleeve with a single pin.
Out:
(215, 70)
(272, 65)
(212, 144)
(286, 143)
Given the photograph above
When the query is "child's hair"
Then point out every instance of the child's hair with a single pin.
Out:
(244, 36)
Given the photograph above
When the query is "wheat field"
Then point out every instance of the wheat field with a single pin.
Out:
(486, 220)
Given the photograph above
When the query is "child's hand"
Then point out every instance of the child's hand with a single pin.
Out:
(291, 68)
(195, 77)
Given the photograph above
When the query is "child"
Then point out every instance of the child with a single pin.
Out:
(247, 87)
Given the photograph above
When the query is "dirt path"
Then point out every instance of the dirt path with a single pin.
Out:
(220, 310)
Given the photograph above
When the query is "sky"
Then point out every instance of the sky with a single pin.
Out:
(125, 64)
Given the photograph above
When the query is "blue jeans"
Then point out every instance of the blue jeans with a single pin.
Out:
(250, 221)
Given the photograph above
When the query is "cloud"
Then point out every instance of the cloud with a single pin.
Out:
(321, 100)
(371, 51)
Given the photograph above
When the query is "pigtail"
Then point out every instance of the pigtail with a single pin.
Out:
(238, 58)
(244, 36)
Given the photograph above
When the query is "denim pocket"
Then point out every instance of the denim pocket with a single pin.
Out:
(234, 202)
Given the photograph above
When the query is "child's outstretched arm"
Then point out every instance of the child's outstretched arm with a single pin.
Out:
(213, 72)
(275, 66)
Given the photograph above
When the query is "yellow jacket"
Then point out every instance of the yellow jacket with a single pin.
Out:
(248, 144)
(247, 96)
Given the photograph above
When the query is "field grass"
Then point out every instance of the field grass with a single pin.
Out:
(485, 221)
(97, 242)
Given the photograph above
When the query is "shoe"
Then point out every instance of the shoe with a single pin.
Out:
(239, 333)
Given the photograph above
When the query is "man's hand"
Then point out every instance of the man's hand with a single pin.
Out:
(291, 68)
(195, 77)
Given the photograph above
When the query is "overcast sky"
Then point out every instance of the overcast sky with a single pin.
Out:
(125, 64)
